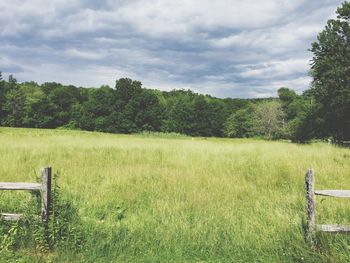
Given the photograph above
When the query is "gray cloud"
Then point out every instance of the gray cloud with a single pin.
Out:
(227, 48)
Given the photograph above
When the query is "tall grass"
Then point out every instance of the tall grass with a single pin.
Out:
(164, 199)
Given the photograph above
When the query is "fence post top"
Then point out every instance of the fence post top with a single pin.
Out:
(310, 170)
(46, 172)
(309, 173)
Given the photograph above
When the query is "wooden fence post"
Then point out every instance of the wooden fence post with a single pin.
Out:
(310, 205)
(46, 193)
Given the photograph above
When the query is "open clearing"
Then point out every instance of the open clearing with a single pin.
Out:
(184, 199)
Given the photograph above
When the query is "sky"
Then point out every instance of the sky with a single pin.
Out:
(225, 48)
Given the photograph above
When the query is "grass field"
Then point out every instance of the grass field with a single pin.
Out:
(183, 199)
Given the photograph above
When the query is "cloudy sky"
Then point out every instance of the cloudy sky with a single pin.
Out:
(226, 48)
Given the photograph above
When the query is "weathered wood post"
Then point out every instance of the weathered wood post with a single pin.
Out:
(310, 205)
(46, 193)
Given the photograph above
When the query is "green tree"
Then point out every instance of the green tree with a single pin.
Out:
(306, 123)
(35, 113)
(125, 90)
(149, 111)
(209, 116)
(179, 113)
(96, 110)
(331, 74)
(2, 98)
(268, 120)
(143, 112)
(13, 106)
(240, 123)
(200, 115)
(288, 99)
(59, 100)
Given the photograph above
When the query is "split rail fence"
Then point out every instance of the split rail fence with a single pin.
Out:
(311, 193)
(45, 191)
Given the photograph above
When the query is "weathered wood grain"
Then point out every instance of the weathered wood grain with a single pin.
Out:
(310, 205)
(334, 193)
(20, 186)
(46, 193)
(333, 228)
(10, 217)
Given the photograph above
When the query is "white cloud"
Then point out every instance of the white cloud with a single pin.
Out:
(224, 47)
(93, 55)
(273, 69)
(183, 16)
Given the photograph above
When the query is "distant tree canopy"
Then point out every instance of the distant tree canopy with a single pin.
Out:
(129, 108)
(240, 123)
(264, 119)
(126, 108)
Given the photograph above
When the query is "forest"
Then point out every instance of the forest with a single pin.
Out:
(129, 108)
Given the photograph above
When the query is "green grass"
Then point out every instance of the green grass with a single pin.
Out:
(185, 199)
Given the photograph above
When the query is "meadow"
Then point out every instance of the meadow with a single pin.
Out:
(149, 198)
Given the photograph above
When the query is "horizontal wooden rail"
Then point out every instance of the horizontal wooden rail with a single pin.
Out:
(21, 186)
(333, 228)
(10, 217)
(334, 193)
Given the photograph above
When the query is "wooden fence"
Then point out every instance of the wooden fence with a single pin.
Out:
(45, 191)
(311, 226)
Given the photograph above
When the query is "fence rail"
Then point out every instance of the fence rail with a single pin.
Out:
(45, 191)
(311, 226)
(334, 193)
(20, 186)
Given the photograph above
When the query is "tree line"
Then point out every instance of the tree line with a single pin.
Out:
(126, 108)
(323, 111)
(130, 108)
